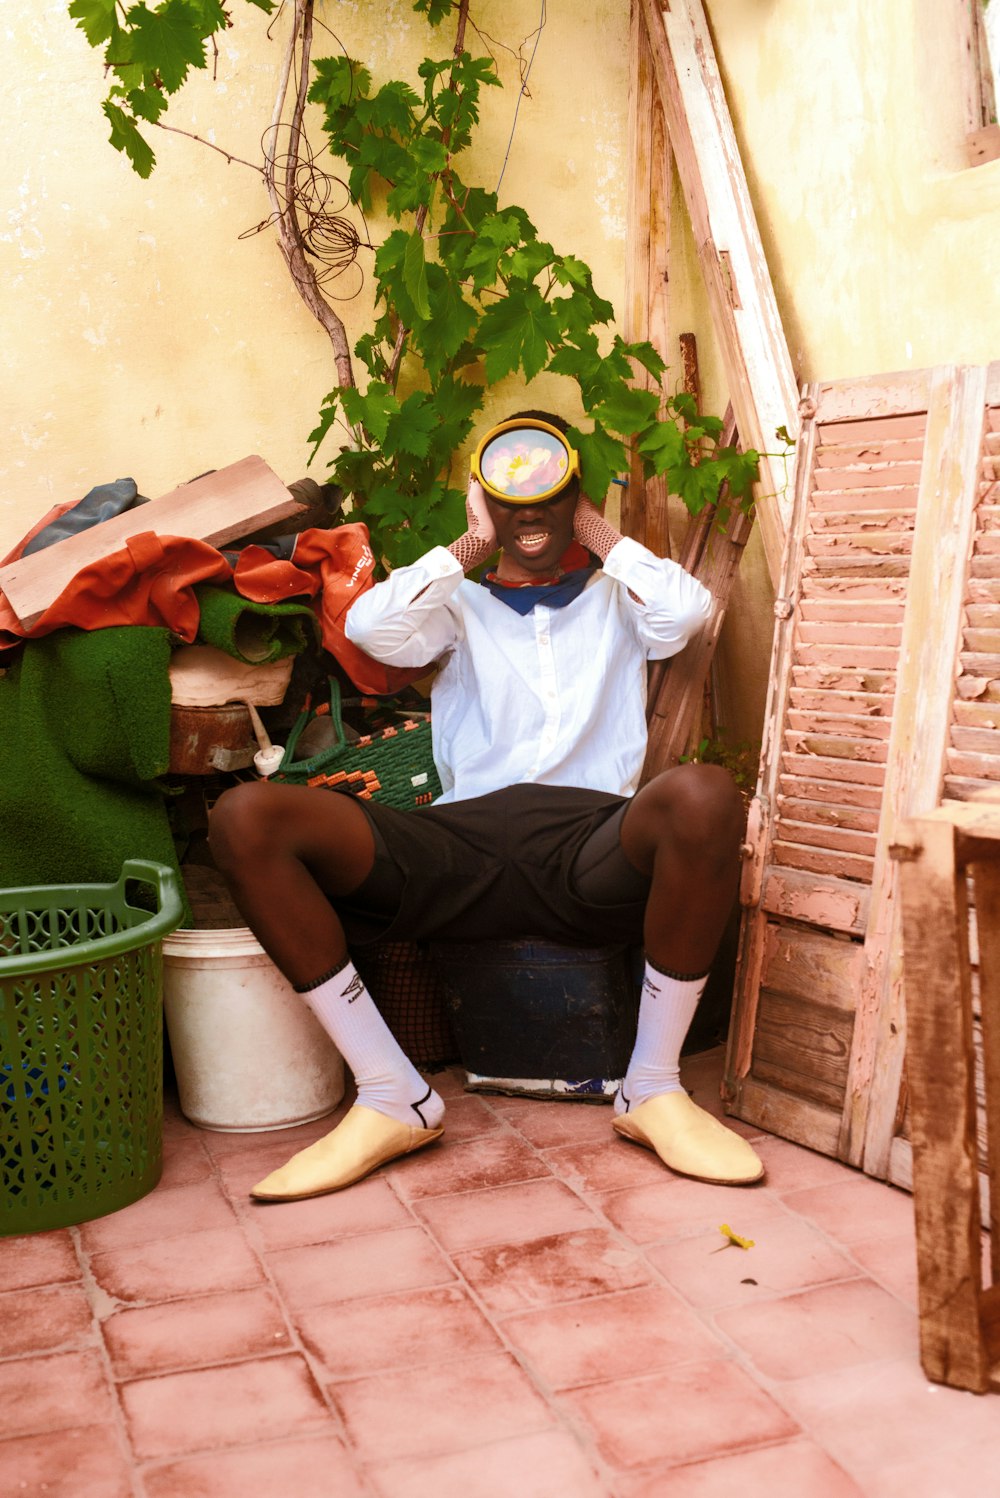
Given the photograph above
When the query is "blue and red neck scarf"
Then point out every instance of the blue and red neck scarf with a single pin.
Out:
(576, 568)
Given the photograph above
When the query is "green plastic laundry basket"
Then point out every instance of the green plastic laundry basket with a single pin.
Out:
(81, 1046)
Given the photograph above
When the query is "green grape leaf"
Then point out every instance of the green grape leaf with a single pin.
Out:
(97, 19)
(327, 416)
(393, 107)
(213, 15)
(147, 103)
(569, 271)
(415, 275)
(435, 10)
(626, 409)
(373, 411)
(337, 81)
(450, 321)
(167, 41)
(602, 457)
(411, 427)
(514, 333)
(663, 446)
(125, 137)
(645, 354)
(529, 260)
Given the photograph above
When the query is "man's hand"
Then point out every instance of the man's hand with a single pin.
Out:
(592, 530)
(480, 539)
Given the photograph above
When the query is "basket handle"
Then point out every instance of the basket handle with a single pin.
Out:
(336, 714)
(163, 879)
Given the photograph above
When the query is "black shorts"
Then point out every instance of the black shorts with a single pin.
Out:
(530, 861)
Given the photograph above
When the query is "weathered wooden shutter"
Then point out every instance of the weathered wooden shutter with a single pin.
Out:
(880, 613)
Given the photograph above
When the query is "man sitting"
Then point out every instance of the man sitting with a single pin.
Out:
(538, 712)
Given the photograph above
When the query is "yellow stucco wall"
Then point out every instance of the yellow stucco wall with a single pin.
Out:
(143, 337)
(883, 245)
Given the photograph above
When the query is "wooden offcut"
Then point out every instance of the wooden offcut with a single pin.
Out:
(938, 856)
(221, 507)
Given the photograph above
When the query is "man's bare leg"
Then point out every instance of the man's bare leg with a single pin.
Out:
(684, 830)
(286, 852)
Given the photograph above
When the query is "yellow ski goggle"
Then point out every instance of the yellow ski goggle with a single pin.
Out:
(525, 462)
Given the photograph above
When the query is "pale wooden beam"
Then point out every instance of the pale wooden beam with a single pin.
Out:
(762, 385)
(644, 511)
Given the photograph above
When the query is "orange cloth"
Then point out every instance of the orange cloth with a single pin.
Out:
(151, 580)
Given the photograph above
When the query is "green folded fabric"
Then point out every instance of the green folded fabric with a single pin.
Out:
(84, 732)
(253, 632)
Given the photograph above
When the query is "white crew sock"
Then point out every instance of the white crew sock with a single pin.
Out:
(386, 1079)
(666, 1009)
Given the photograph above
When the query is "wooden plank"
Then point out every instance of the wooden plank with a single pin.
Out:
(760, 377)
(831, 793)
(644, 506)
(845, 679)
(942, 1103)
(986, 876)
(798, 1119)
(750, 953)
(822, 814)
(826, 768)
(868, 705)
(799, 961)
(846, 566)
(882, 450)
(848, 590)
(218, 508)
(833, 864)
(916, 761)
(830, 903)
(852, 725)
(833, 836)
(854, 410)
(802, 1047)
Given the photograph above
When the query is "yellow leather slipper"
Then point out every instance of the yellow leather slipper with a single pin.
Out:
(361, 1142)
(690, 1141)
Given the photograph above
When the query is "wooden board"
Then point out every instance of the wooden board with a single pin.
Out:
(218, 508)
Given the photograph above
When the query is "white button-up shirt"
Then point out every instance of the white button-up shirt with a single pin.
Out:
(556, 696)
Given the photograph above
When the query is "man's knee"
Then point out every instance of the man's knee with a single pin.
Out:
(237, 820)
(699, 805)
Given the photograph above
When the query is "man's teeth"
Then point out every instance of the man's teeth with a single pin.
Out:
(533, 540)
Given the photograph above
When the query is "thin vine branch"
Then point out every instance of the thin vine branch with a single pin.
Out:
(230, 158)
(290, 237)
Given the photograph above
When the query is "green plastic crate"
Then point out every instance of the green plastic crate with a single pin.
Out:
(81, 1046)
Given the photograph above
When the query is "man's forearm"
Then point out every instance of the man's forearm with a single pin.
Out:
(593, 531)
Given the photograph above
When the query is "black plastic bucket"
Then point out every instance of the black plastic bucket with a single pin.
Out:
(536, 1018)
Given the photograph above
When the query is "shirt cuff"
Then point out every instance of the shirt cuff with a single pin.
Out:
(438, 562)
(625, 557)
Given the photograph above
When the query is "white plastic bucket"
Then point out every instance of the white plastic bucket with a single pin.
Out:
(248, 1054)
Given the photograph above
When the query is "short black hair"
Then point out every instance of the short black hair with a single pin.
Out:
(559, 422)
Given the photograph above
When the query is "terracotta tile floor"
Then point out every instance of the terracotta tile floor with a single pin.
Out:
(533, 1306)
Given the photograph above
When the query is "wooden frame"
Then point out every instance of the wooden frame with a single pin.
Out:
(884, 697)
